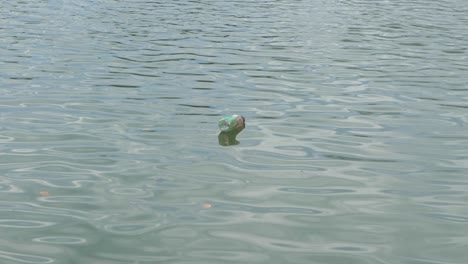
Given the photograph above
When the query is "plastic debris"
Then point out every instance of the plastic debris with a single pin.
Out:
(232, 123)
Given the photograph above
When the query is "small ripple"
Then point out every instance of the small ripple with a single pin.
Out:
(61, 240)
(73, 199)
(420, 193)
(23, 258)
(231, 255)
(15, 223)
(128, 191)
(87, 149)
(297, 151)
(449, 218)
(267, 160)
(131, 229)
(64, 137)
(267, 210)
(196, 106)
(356, 158)
(6, 187)
(116, 257)
(24, 150)
(351, 249)
(5, 139)
(409, 260)
(31, 209)
(279, 245)
(315, 191)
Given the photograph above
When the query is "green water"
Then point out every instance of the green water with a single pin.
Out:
(355, 148)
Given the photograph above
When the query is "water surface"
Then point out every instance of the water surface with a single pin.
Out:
(355, 150)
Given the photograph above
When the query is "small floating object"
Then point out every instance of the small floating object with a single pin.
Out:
(234, 123)
(230, 126)
(43, 193)
(206, 206)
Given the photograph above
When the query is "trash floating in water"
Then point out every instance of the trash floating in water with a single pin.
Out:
(230, 126)
(43, 193)
(232, 123)
(206, 206)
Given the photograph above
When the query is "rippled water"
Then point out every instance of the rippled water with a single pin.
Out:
(355, 150)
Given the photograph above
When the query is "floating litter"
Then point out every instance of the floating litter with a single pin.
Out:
(206, 206)
(232, 123)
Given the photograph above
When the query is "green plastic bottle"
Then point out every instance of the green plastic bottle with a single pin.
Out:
(230, 126)
(232, 123)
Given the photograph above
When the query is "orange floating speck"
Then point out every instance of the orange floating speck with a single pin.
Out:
(206, 206)
(43, 193)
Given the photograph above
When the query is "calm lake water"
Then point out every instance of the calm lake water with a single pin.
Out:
(355, 149)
